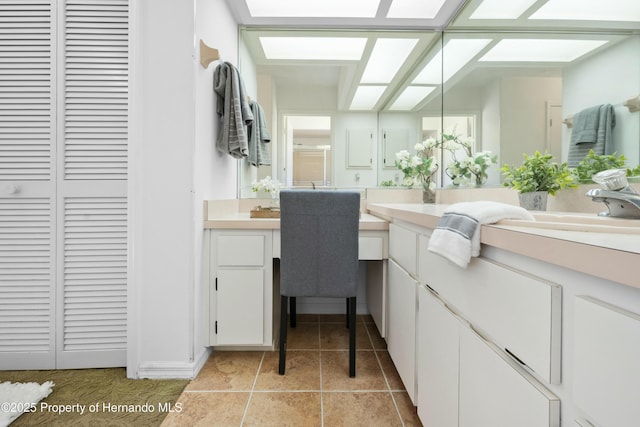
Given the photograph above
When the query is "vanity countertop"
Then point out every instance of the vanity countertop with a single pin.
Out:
(584, 251)
(241, 220)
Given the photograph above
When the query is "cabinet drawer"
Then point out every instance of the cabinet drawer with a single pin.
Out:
(403, 247)
(370, 248)
(520, 313)
(238, 250)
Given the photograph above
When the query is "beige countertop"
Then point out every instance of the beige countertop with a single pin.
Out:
(584, 251)
(241, 220)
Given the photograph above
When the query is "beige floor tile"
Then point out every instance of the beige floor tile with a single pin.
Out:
(366, 318)
(408, 412)
(335, 336)
(335, 371)
(228, 370)
(208, 409)
(390, 371)
(359, 409)
(376, 340)
(307, 318)
(297, 409)
(305, 336)
(302, 372)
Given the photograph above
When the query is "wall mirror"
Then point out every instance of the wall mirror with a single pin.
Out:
(509, 78)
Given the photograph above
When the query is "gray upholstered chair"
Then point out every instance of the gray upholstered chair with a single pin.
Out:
(318, 255)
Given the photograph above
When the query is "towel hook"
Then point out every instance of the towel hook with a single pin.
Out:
(633, 104)
(208, 54)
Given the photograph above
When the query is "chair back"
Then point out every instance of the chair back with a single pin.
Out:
(319, 243)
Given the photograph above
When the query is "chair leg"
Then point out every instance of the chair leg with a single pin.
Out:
(352, 337)
(348, 313)
(292, 311)
(283, 334)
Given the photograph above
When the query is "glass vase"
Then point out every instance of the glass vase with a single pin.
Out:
(428, 194)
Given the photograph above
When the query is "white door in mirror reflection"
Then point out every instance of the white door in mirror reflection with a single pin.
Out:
(308, 151)
(554, 133)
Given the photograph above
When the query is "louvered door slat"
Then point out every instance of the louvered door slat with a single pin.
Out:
(95, 273)
(25, 84)
(96, 85)
(25, 276)
(27, 270)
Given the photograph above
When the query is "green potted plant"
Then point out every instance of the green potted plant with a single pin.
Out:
(536, 178)
(594, 163)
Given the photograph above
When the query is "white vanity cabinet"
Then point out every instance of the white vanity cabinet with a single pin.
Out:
(402, 288)
(606, 353)
(240, 288)
(495, 391)
(401, 325)
(466, 381)
(521, 313)
(438, 362)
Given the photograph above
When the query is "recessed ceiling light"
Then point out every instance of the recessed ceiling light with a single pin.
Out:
(366, 97)
(500, 9)
(590, 10)
(386, 58)
(313, 48)
(540, 50)
(416, 9)
(457, 53)
(313, 8)
(411, 96)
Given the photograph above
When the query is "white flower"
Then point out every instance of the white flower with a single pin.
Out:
(415, 161)
(267, 185)
(429, 143)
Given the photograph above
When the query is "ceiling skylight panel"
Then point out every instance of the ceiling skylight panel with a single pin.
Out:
(540, 50)
(457, 53)
(313, 8)
(410, 97)
(590, 10)
(366, 97)
(313, 48)
(415, 9)
(386, 58)
(501, 9)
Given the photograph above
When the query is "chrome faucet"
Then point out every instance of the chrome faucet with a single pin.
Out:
(621, 199)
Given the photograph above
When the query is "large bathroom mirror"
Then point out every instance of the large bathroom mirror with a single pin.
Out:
(514, 90)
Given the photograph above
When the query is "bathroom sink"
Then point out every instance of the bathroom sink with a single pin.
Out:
(578, 222)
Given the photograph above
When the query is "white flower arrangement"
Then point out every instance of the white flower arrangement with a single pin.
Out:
(419, 168)
(268, 185)
(472, 169)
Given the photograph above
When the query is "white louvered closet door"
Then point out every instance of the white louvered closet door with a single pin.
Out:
(63, 172)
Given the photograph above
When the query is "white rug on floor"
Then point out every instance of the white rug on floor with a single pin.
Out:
(17, 398)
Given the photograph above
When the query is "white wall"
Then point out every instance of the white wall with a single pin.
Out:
(410, 121)
(174, 167)
(214, 173)
(353, 177)
(523, 111)
(617, 73)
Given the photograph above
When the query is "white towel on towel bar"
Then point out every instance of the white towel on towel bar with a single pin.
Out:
(457, 235)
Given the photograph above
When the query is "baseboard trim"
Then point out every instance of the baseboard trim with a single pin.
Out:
(174, 370)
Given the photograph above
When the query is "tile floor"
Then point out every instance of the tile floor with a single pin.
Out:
(243, 388)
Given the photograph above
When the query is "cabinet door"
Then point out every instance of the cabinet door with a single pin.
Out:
(359, 148)
(437, 362)
(606, 351)
(240, 303)
(401, 326)
(495, 392)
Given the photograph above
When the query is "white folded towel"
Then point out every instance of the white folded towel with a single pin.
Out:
(457, 235)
